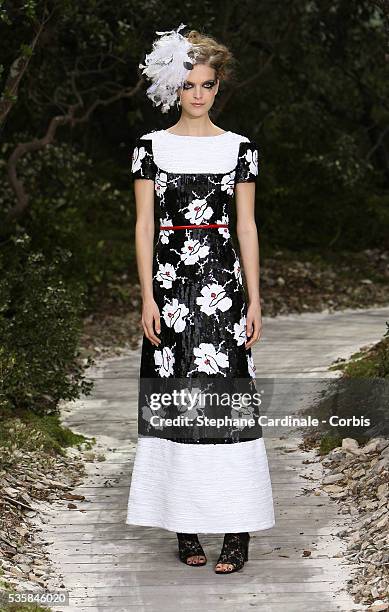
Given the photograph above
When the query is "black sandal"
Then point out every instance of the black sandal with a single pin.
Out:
(235, 551)
(189, 546)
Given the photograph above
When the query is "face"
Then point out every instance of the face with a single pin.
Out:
(199, 90)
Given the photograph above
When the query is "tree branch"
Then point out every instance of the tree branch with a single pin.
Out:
(383, 5)
(70, 118)
(16, 73)
(290, 25)
(379, 142)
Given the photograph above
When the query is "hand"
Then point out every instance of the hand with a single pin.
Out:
(150, 319)
(253, 324)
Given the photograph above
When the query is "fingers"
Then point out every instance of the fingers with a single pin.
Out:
(157, 324)
(149, 333)
(148, 328)
(253, 330)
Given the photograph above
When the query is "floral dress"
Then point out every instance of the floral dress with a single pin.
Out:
(198, 287)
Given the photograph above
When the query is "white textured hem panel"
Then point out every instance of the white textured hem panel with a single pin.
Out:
(201, 488)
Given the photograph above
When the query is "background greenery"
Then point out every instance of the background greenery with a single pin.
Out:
(311, 88)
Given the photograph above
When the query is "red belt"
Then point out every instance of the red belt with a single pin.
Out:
(173, 227)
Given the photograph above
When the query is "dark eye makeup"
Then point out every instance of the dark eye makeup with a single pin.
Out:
(207, 84)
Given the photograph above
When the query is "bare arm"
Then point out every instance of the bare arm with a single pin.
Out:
(247, 233)
(144, 236)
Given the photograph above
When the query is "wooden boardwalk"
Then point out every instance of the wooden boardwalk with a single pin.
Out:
(108, 565)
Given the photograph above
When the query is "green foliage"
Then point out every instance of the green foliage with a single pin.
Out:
(313, 190)
(319, 114)
(358, 394)
(329, 441)
(9, 587)
(30, 607)
(39, 329)
(314, 98)
(30, 432)
(75, 206)
(371, 363)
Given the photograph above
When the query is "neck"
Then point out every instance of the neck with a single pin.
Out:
(195, 126)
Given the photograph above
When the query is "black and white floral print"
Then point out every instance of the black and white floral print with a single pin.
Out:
(197, 277)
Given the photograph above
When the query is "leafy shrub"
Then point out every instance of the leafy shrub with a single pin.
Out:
(40, 325)
(74, 204)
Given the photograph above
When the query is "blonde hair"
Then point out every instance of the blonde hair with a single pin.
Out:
(213, 54)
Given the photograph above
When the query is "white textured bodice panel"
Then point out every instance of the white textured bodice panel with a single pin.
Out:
(195, 154)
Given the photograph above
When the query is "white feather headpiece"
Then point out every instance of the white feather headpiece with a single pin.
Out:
(167, 66)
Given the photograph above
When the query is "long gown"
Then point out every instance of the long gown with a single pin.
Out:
(178, 483)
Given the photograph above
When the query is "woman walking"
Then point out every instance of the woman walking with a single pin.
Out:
(197, 322)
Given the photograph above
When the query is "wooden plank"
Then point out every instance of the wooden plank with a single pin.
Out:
(117, 577)
(100, 528)
(167, 560)
(144, 552)
(217, 602)
(240, 586)
(116, 517)
(218, 606)
(120, 503)
(283, 599)
(102, 488)
(95, 541)
(280, 475)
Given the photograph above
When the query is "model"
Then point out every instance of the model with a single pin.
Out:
(197, 322)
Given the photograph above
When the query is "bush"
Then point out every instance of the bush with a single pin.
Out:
(40, 325)
(73, 204)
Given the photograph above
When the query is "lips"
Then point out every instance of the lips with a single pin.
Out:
(195, 104)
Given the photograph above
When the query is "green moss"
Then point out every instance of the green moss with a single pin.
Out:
(17, 607)
(328, 442)
(27, 430)
(369, 363)
(365, 364)
(8, 587)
